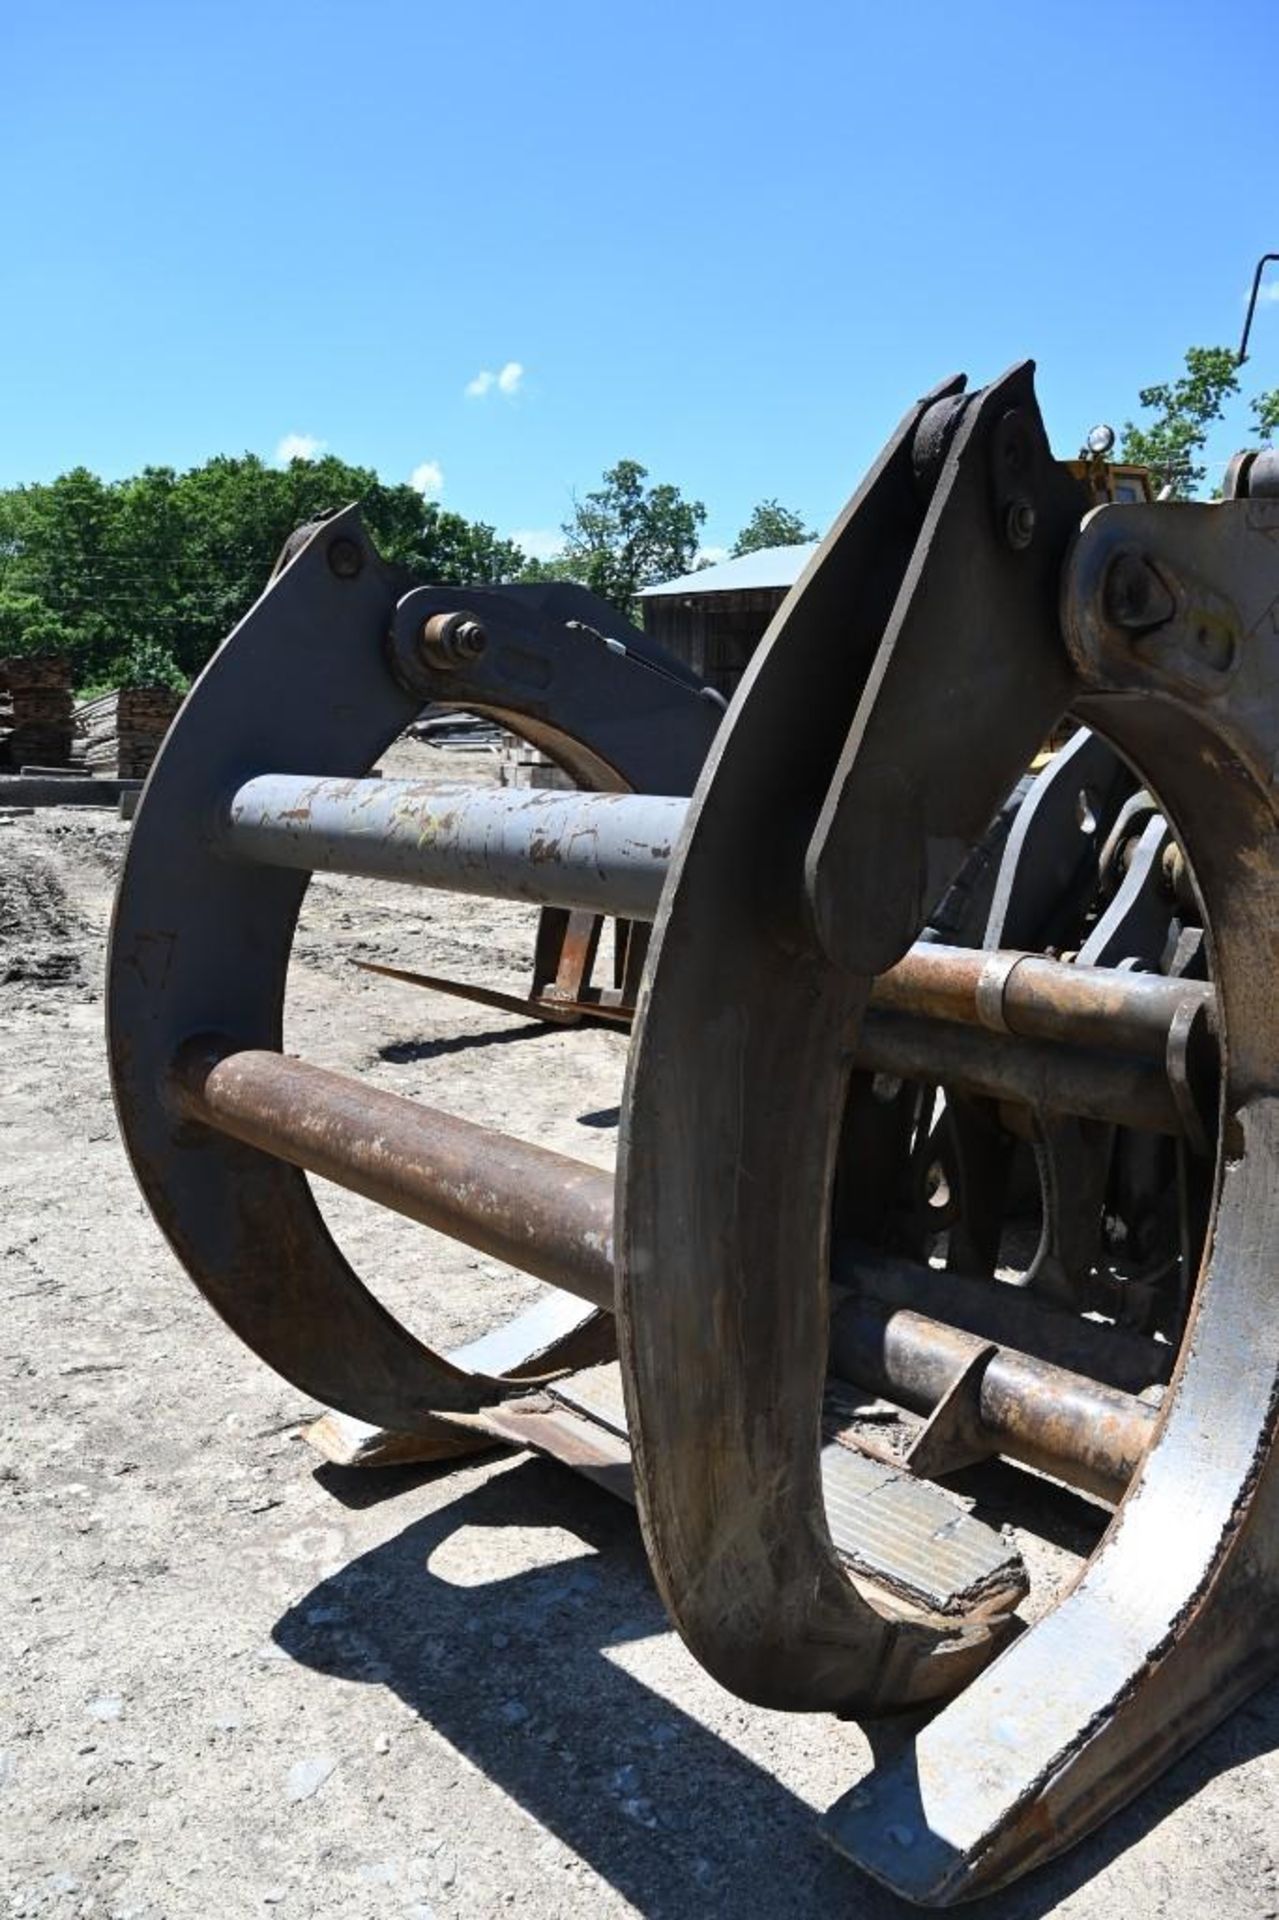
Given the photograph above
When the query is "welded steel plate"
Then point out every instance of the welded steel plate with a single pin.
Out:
(903, 1533)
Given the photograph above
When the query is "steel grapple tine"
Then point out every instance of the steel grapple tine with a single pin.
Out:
(725, 1177)
(318, 674)
(196, 942)
(325, 671)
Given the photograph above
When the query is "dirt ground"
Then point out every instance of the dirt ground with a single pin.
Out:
(237, 1681)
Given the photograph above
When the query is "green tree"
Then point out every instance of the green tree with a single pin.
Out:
(205, 548)
(627, 535)
(1184, 409)
(27, 627)
(62, 546)
(73, 556)
(445, 548)
(1266, 408)
(772, 525)
(171, 561)
(148, 663)
(13, 520)
(18, 612)
(436, 546)
(236, 515)
(559, 567)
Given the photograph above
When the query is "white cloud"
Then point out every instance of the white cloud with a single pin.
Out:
(507, 380)
(710, 556)
(1269, 293)
(298, 446)
(428, 478)
(539, 543)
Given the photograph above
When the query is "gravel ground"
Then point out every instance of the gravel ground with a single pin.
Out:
(239, 1682)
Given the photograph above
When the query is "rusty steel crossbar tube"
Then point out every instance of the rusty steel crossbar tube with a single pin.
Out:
(1040, 1074)
(605, 852)
(553, 1217)
(1040, 999)
(1007, 1314)
(1062, 1423)
(537, 1210)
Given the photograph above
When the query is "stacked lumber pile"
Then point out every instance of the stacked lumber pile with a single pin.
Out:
(35, 712)
(122, 731)
(520, 765)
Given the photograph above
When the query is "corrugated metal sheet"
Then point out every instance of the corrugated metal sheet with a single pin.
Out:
(769, 567)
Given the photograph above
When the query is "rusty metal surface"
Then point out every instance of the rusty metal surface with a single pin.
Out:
(1092, 1436)
(1123, 1213)
(1008, 1315)
(597, 1393)
(908, 1537)
(1175, 1617)
(1178, 1607)
(1002, 509)
(829, 819)
(523, 1204)
(1133, 930)
(559, 1431)
(552, 1216)
(557, 1010)
(1056, 1077)
(600, 698)
(1095, 1008)
(1040, 999)
(1039, 1074)
(558, 1330)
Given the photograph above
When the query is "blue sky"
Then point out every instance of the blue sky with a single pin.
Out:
(732, 241)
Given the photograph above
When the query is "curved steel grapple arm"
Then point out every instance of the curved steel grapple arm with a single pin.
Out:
(837, 802)
(943, 688)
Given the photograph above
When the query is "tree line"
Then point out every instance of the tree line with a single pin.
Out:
(139, 580)
(144, 577)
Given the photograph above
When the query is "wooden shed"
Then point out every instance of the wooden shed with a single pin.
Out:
(714, 620)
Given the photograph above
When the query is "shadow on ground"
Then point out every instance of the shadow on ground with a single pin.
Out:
(404, 1052)
(514, 1673)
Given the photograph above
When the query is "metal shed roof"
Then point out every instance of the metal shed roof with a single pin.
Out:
(768, 567)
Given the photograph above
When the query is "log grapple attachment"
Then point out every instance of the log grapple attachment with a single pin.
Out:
(880, 1010)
